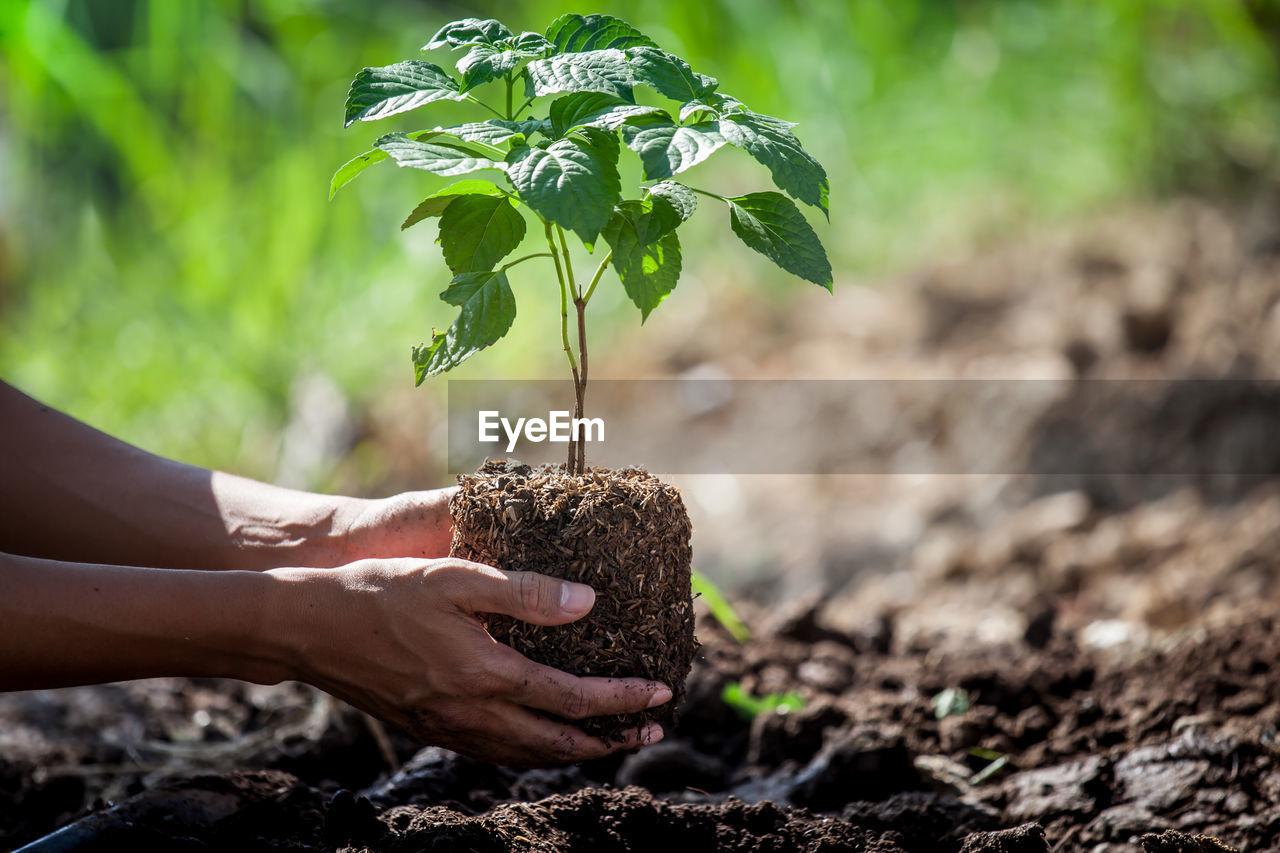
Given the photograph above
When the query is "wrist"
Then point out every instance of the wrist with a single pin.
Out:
(412, 524)
(295, 604)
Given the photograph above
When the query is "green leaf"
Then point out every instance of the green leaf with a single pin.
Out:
(771, 224)
(675, 197)
(477, 231)
(670, 75)
(488, 310)
(380, 92)
(487, 62)
(699, 110)
(467, 32)
(435, 204)
(646, 254)
(348, 171)
(484, 63)
(573, 181)
(531, 44)
(594, 109)
(725, 104)
(432, 156)
(525, 126)
(598, 71)
(667, 148)
(494, 131)
(770, 141)
(646, 251)
(576, 33)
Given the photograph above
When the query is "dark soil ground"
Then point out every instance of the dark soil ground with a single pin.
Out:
(1051, 663)
(1099, 751)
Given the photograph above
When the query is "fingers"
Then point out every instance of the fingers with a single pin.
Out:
(508, 734)
(527, 596)
(535, 740)
(574, 698)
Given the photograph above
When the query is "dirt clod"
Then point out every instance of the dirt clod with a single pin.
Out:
(1170, 841)
(1028, 838)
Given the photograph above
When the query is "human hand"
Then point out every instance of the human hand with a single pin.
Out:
(402, 639)
(412, 524)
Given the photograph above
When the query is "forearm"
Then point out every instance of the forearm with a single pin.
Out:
(71, 623)
(71, 492)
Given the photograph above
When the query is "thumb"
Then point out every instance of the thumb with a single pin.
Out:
(530, 597)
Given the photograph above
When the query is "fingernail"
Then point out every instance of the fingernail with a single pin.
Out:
(651, 734)
(659, 696)
(576, 597)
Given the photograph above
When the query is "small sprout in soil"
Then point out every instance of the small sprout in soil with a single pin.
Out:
(987, 773)
(553, 113)
(720, 607)
(997, 763)
(984, 753)
(950, 702)
(749, 707)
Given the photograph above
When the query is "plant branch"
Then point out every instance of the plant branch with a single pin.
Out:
(571, 464)
(580, 385)
(508, 266)
(564, 305)
(595, 279)
(523, 107)
(568, 265)
(457, 142)
(495, 149)
(509, 84)
(473, 99)
(581, 304)
(709, 194)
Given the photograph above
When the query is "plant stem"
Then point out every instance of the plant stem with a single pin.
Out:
(708, 194)
(502, 155)
(581, 305)
(511, 264)
(580, 380)
(564, 305)
(509, 84)
(523, 107)
(473, 99)
(595, 279)
(568, 264)
(571, 465)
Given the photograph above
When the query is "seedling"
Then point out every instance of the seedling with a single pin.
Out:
(748, 706)
(951, 701)
(720, 607)
(998, 763)
(554, 112)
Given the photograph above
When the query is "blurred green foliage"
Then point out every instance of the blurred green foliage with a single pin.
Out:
(169, 263)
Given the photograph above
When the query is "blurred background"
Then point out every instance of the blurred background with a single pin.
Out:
(172, 271)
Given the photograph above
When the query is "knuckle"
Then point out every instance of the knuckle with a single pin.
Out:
(533, 592)
(482, 680)
(451, 579)
(576, 703)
